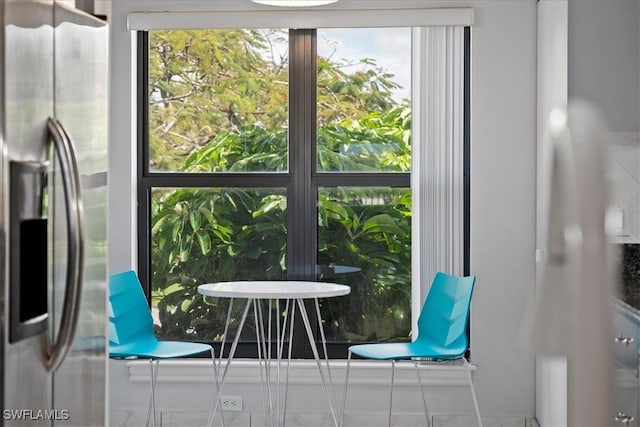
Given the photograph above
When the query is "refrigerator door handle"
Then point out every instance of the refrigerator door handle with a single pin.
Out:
(63, 145)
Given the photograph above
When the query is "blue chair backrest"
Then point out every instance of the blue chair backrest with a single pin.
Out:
(129, 315)
(443, 318)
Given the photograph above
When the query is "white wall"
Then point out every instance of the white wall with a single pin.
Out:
(503, 161)
(503, 153)
(122, 226)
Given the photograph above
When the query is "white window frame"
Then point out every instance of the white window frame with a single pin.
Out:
(316, 18)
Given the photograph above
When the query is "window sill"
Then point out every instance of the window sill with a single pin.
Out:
(302, 372)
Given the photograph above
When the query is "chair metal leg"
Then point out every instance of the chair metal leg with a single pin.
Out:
(152, 398)
(215, 402)
(151, 406)
(424, 400)
(346, 384)
(473, 392)
(393, 370)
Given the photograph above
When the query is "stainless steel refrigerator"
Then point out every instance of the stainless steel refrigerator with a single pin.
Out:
(53, 192)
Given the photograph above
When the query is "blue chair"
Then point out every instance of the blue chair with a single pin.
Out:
(131, 333)
(441, 336)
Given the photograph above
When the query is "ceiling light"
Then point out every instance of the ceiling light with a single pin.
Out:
(294, 3)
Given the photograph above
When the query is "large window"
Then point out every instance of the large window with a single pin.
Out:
(277, 154)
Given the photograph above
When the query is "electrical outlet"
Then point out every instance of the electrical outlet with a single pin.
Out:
(231, 403)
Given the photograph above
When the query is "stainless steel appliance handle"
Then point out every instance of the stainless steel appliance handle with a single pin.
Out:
(63, 145)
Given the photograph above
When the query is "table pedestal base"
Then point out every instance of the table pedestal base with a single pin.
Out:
(274, 398)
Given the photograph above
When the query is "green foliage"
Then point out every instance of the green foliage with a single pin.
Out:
(203, 83)
(206, 84)
(252, 149)
(342, 95)
(207, 235)
(371, 229)
(378, 142)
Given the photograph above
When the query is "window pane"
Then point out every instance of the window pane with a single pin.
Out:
(209, 235)
(218, 100)
(364, 238)
(364, 107)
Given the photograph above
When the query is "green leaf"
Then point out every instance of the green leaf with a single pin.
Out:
(186, 305)
(383, 223)
(176, 287)
(195, 219)
(177, 228)
(204, 241)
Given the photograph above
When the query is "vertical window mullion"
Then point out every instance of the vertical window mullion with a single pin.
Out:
(302, 235)
(310, 121)
(311, 196)
(301, 204)
(295, 248)
(143, 188)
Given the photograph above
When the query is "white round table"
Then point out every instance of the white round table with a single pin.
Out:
(293, 293)
(273, 289)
